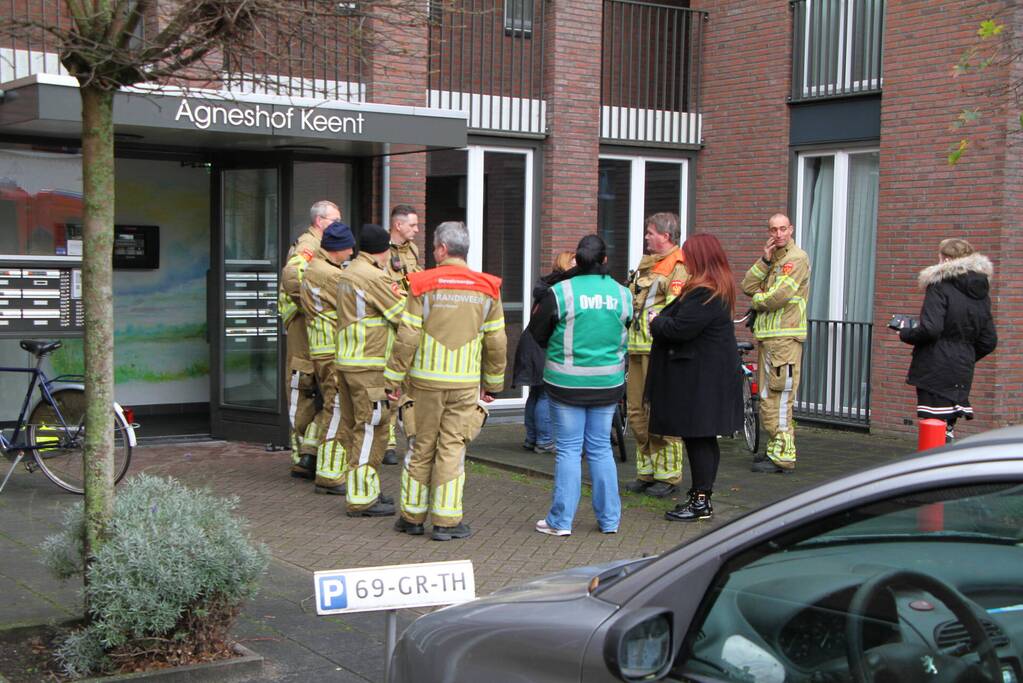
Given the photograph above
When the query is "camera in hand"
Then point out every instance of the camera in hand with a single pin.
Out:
(901, 321)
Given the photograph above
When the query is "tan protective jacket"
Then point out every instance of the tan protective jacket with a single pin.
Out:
(402, 261)
(654, 284)
(319, 302)
(289, 300)
(780, 292)
(369, 306)
(452, 331)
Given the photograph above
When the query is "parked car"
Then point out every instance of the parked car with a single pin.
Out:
(909, 572)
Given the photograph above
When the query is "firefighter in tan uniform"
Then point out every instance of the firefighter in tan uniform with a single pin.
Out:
(779, 285)
(319, 300)
(301, 386)
(654, 284)
(403, 260)
(369, 306)
(451, 346)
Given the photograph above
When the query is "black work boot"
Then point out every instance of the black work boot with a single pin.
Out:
(390, 457)
(403, 526)
(661, 489)
(377, 509)
(339, 490)
(638, 486)
(446, 533)
(768, 466)
(305, 468)
(696, 508)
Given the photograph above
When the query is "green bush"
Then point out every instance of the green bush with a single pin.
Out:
(166, 586)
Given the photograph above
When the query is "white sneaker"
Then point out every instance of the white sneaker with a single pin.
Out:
(542, 527)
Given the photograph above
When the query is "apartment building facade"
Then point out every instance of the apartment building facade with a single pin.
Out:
(536, 122)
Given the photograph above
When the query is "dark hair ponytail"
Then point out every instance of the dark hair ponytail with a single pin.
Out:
(590, 256)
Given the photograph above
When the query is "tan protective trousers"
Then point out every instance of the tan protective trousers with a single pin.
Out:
(365, 413)
(658, 458)
(433, 474)
(301, 391)
(330, 452)
(778, 363)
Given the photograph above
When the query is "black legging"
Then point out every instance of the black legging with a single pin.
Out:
(704, 455)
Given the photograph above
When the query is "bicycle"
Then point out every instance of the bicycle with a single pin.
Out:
(750, 399)
(54, 433)
(619, 427)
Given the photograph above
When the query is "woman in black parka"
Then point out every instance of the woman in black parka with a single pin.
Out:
(694, 385)
(954, 332)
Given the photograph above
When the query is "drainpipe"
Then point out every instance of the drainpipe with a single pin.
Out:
(385, 187)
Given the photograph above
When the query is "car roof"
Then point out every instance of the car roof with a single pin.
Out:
(1005, 434)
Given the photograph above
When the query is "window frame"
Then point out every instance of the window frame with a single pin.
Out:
(518, 26)
(842, 82)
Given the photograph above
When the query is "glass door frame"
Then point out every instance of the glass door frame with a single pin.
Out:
(637, 199)
(230, 421)
(475, 178)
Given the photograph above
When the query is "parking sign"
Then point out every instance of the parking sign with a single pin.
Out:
(394, 587)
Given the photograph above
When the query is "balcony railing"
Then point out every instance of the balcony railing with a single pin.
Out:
(835, 376)
(836, 47)
(486, 59)
(650, 73)
(325, 63)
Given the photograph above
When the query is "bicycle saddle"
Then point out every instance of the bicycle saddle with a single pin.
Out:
(745, 346)
(40, 348)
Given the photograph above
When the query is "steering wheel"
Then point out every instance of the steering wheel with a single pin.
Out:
(908, 662)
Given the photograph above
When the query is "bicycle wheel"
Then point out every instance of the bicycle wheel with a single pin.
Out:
(750, 417)
(618, 433)
(61, 446)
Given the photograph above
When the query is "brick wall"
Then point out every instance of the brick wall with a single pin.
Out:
(572, 87)
(399, 76)
(742, 172)
(923, 200)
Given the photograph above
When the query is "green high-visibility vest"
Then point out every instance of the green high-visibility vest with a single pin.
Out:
(587, 348)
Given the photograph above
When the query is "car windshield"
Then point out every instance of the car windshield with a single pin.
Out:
(898, 572)
(984, 512)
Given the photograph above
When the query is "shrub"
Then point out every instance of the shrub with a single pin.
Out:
(168, 583)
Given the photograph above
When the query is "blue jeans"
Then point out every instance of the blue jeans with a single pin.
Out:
(574, 428)
(538, 416)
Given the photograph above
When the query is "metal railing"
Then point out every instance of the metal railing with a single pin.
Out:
(650, 73)
(835, 375)
(836, 47)
(486, 59)
(325, 62)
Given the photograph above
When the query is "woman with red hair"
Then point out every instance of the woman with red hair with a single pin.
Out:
(694, 385)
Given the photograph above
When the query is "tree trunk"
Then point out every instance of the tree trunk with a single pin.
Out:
(97, 296)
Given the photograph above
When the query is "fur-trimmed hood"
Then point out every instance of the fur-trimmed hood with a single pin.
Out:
(971, 274)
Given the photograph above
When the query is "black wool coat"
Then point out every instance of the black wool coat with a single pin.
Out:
(956, 328)
(694, 384)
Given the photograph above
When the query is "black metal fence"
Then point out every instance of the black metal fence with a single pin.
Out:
(834, 385)
(650, 72)
(836, 47)
(486, 58)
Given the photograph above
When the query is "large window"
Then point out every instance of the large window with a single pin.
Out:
(836, 224)
(630, 189)
(838, 46)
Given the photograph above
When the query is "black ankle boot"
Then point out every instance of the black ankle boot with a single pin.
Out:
(696, 508)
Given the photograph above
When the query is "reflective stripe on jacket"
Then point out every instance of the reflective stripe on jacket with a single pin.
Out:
(654, 284)
(369, 308)
(319, 302)
(780, 292)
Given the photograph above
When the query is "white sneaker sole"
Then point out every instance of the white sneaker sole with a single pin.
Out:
(542, 527)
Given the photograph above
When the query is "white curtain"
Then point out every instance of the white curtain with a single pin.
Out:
(860, 238)
(819, 176)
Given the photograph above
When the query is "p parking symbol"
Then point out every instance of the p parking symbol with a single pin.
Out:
(333, 593)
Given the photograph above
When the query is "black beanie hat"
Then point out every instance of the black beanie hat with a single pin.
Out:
(337, 237)
(374, 239)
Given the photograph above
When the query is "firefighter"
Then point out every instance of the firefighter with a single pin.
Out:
(779, 285)
(654, 284)
(319, 300)
(403, 259)
(301, 386)
(369, 306)
(451, 346)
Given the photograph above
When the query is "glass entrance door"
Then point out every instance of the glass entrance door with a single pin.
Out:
(246, 343)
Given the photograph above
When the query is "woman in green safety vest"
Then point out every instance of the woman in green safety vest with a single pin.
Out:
(582, 323)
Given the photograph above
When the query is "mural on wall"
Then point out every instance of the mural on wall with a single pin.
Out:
(160, 348)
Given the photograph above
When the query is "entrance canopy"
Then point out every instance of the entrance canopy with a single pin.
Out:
(49, 105)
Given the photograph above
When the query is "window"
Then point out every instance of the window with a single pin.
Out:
(840, 43)
(872, 583)
(518, 17)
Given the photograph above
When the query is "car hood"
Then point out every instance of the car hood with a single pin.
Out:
(566, 584)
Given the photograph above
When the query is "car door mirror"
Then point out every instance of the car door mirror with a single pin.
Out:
(638, 645)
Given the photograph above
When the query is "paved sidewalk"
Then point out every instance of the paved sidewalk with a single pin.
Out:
(507, 490)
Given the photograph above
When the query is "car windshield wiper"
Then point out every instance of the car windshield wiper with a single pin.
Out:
(973, 536)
